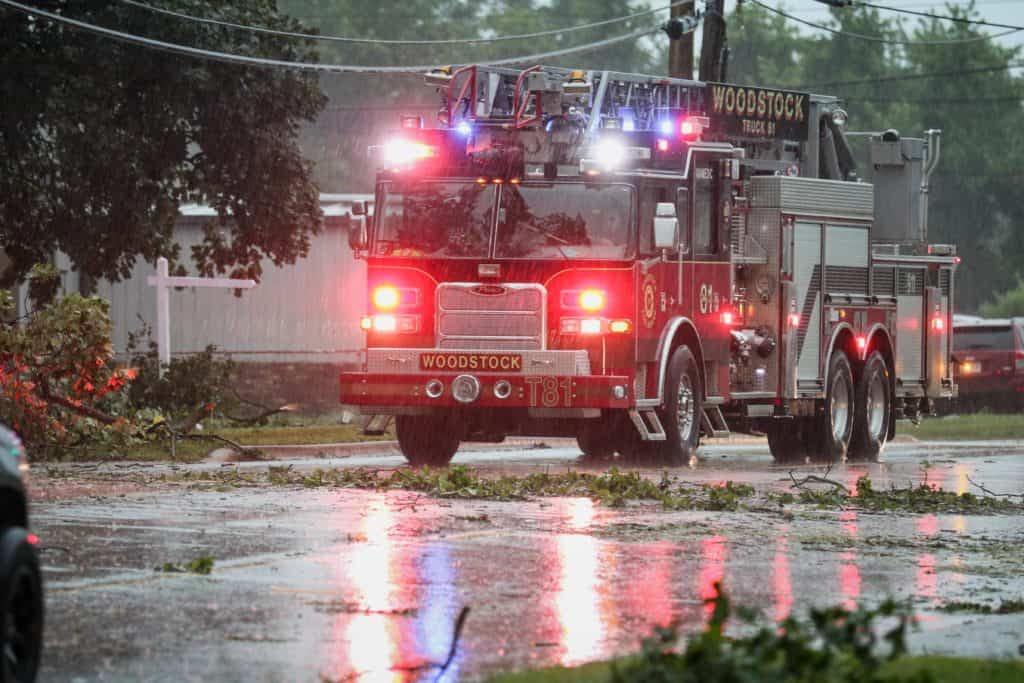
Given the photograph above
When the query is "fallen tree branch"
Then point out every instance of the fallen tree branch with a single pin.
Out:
(50, 397)
(234, 445)
(990, 492)
(813, 478)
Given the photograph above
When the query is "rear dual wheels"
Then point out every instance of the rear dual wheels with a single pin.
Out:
(427, 440)
(852, 424)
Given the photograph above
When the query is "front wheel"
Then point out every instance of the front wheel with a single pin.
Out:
(21, 608)
(873, 409)
(426, 440)
(680, 416)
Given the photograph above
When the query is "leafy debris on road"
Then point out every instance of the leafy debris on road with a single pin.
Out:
(1013, 606)
(200, 565)
(613, 488)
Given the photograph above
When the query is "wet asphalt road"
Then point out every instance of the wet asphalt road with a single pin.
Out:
(317, 584)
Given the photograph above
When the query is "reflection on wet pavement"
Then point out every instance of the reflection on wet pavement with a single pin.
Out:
(366, 586)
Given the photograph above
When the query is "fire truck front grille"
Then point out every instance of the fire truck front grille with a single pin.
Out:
(473, 315)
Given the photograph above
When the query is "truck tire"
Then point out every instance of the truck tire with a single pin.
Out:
(21, 608)
(597, 439)
(792, 441)
(872, 411)
(426, 440)
(680, 415)
(836, 420)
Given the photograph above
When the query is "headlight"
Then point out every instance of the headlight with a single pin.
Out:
(12, 453)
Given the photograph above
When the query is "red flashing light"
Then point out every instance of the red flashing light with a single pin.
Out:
(662, 145)
(956, 259)
(794, 320)
(386, 298)
(401, 152)
(32, 539)
(938, 324)
(728, 318)
(592, 300)
(862, 343)
(692, 127)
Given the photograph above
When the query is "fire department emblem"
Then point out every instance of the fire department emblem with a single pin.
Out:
(650, 295)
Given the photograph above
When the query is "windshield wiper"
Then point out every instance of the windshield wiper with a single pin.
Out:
(553, 236)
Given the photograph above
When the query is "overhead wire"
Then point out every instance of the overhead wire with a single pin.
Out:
(929, 15)
(879, 39)
(915, 77)
(230, 58)
(386, 41)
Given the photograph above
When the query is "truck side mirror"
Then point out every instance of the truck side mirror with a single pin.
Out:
(666, 227)
(358, 235)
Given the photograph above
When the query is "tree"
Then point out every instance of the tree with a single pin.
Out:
(975, 197)
(100, 141)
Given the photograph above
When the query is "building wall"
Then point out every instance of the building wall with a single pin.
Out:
(291, 334)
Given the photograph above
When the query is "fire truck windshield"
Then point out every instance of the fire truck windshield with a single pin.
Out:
(449, 219)
(565, 220)
(536, 220)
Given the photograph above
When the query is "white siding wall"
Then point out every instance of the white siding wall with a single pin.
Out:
(306, 312)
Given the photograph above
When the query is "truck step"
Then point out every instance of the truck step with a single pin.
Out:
(647, 424)
(376, 425)
(713, 422)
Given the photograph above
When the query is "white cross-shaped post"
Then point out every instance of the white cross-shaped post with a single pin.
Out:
(163, 282)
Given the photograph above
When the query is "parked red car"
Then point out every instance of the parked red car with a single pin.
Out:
(988, 363)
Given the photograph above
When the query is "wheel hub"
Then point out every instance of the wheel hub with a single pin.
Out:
(877, 406)
(839, 408)
(684, 408)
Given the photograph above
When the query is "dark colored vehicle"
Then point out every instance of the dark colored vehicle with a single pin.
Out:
(988, 362)
(21, 588)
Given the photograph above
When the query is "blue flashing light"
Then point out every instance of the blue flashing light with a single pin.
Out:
(666, 127)
(463, 128)
(628, 116)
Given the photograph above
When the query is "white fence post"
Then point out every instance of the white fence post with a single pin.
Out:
(163, 282)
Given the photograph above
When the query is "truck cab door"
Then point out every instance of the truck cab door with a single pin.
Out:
(711, 289)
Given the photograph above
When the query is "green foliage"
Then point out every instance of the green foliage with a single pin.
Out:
(197, 384)
(834, 646)
(1012, 606)
(1008, 304)
(101, 141)
(926, 498)
(59, 388)
(201, 565)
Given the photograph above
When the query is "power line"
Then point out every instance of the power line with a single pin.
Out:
(938, 100)
(943, 17)
(382, 41)
(915, 77)
(175, 48)
(879, 39)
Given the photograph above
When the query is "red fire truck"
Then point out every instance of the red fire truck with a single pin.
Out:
(640, 262)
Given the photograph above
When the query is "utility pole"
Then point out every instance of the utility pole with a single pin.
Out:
(680, 51)
(714, 50)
